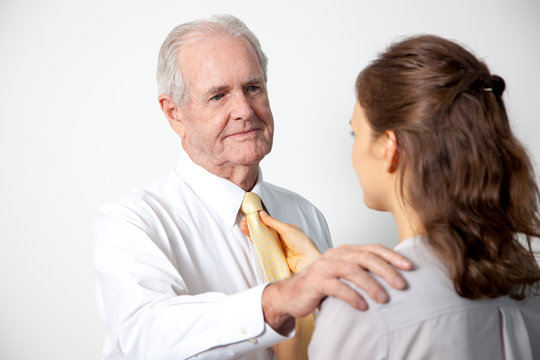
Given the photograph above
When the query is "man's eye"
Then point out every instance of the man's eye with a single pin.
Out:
(217, 97)
(253, 88)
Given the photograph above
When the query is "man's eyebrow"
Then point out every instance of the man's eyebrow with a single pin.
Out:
(217, 89)
(254, 80)
(224, 88)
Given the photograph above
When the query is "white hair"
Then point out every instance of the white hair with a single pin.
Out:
(169, 75)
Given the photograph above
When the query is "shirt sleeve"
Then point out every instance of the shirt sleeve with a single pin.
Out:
(149, 312)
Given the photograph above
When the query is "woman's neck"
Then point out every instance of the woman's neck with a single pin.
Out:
(407, 222)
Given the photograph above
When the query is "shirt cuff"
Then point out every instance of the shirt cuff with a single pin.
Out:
(250, 319)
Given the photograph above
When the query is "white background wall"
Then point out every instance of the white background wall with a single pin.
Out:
(80, 123)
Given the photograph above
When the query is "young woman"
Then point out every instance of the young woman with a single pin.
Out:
(434, 147)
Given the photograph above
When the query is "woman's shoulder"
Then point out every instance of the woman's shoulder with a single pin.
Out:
(428, 308)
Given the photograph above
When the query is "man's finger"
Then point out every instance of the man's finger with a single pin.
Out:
(375, 258)
(363, 280)
(391, 256)
(344, 292)
(373, 262)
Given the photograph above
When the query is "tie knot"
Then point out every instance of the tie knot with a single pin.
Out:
(251, 204)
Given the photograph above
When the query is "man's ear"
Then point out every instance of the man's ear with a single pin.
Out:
(172, 113)
(391, 153)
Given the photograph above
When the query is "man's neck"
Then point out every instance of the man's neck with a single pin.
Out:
(243, 176)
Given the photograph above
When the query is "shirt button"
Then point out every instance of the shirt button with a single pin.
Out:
(243, 330)
(253, 341)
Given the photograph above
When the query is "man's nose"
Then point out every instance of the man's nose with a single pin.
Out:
(241, 107)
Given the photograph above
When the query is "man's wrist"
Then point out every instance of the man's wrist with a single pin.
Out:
(277, 318)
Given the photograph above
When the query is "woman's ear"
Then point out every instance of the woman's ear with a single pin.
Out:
(172, 113)
(391, 153)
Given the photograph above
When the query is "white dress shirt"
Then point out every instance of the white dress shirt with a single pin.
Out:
(428, 321)
(176, 276)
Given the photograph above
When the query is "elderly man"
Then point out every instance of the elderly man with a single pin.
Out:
(176, 276)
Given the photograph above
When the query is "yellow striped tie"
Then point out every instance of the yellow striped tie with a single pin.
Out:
(275, 268)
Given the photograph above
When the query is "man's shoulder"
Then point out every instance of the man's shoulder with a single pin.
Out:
(283, 194)
(290, 201)
(144, 199)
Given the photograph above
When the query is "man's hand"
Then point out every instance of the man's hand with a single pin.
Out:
(301, 294)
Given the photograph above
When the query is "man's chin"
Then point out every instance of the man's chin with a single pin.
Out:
(249, 155)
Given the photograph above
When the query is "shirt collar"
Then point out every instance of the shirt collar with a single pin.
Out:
(220, 194)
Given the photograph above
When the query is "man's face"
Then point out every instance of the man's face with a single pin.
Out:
(226, 118)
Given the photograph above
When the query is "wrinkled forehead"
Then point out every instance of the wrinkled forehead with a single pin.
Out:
(203, 42)
(215, 57)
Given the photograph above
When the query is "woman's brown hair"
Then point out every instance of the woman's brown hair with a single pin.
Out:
(467, 176)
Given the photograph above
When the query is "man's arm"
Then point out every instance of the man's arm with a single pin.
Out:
(149, 311)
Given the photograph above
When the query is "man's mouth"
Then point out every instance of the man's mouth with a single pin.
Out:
(243, 133)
